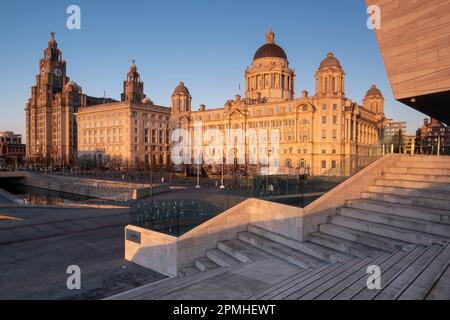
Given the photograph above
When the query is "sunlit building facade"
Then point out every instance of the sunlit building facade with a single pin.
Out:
(318, 132)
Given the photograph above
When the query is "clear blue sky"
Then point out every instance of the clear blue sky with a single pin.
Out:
(205, 43)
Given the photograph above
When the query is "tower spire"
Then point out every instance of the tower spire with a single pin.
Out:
(270, 36)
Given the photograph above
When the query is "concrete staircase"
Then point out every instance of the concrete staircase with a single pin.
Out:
(410, 204)
(401, 223)
(415, 274)
(258, 244)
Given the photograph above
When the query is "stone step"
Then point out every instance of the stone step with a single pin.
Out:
(436, 228)
(417, 177)
(433, 186)
(296, 290)
(340, 244)
(441, 290)
(204, 263)
(307, 247)
(443, 163)
(390, 269)
(188, 271)
(411, 192)
(393, 289)
(369, 239)
(242, 251)
(156, 289)
(346, 277)
(408, 200)
(389, 233)
(424, 283)
(283, 252)
(221, 258)
(408, 211)
(277, 292)
(358, 280)
(426, 171)
(300, 275)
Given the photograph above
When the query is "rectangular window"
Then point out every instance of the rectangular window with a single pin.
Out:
(334, 119)
(324, 134)
(324, 164)
(334, 134)
(333, 164)
(324, 119)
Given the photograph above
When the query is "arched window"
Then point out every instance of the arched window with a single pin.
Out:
(288, 163)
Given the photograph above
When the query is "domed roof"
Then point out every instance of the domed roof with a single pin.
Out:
(72, 84)
(181, 88)
(330, 61)
(147, 100)
(270, 49)
(374, 91)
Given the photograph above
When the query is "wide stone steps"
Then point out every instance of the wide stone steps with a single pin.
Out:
(340, 229)
(417, 177)
(413, 202)
(351, 284)
(395, 288)
(307, 247)
(204, 263)
(435, 171)
(411, 192)
(424, 283)
(165, 286)
(243, 251)
(302, 275)
(343, 245)
(188, 271)
(416, 274)
(442, 164)
(221, 258)
(391, 267)
(434, 186)
(416, 224)
(283, 252)
(294, 289)
(403, 210)
(387, 232)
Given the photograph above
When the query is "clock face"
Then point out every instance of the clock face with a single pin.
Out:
(57, 72)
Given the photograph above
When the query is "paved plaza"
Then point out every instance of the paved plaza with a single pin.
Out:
(36, 251)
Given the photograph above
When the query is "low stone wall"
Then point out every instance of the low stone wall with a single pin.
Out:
(150, 249)
(172, 254)
(103, 189)
(167, 254)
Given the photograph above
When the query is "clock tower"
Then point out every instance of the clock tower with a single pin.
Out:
(50, 111)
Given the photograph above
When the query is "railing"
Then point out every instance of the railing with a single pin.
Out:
(299, 189)
(173, 217)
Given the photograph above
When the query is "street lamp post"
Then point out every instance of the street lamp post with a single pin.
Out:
(222, 186)
(268, 168)
(198, 176)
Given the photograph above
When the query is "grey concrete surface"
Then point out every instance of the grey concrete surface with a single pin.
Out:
(35, 254)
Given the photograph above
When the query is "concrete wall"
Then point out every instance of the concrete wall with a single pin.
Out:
(164, 253)
(156, 251)
(104, 189)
